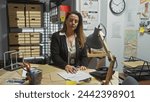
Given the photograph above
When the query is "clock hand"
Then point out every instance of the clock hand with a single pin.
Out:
(114, 3)
(119, 3)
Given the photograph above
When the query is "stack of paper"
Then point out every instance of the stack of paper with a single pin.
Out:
(78, 76)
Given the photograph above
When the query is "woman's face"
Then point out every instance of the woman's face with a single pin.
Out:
(72, 22)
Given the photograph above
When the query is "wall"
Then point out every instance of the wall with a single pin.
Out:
(103, 12)
(116, 43)
(3, 28)
(115, 35)
(90, 29)
(109, 20)
(143, 49)
(132, 22)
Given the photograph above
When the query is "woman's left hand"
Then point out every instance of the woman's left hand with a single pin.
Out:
(82, 68)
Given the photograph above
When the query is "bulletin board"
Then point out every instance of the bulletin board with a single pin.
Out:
(90, 13)
(144, 15)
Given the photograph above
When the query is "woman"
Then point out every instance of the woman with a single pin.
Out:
(68, 48)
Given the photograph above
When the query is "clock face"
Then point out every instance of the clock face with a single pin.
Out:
(117, 6)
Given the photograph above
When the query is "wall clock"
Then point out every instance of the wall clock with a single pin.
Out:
(117, 6)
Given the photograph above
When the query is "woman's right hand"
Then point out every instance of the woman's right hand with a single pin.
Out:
(70, 69)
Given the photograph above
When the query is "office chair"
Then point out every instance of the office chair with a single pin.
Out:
(130, 81)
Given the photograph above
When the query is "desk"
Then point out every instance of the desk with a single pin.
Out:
(49, 76)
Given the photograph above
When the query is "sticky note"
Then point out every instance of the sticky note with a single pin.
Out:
(70, 82)
(141, 30)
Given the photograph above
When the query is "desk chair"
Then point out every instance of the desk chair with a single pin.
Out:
(130, 81)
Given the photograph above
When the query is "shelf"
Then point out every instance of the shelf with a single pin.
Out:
(26, 26)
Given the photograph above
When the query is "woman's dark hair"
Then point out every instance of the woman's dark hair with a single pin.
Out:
(79, 30)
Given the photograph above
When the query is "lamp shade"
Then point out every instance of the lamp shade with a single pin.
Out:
(93, 40)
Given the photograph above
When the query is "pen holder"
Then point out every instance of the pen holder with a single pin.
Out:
(36, 76)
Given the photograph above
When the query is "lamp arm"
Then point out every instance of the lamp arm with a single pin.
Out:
(108, 52)
(109, 72)
(112, 59)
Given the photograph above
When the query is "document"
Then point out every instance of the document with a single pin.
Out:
(78, 76)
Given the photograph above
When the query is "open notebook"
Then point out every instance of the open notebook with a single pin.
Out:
(78, 77)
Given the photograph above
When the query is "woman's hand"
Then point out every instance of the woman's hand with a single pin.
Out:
(70, 69)
(82, 68)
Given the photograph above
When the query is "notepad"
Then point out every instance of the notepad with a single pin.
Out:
(78, 77)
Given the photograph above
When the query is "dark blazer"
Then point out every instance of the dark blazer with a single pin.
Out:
(59, 51)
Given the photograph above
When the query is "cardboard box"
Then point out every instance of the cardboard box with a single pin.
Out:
(33, 7)
(14, 7)
(27, 51)
(24, 38)
(15, 21)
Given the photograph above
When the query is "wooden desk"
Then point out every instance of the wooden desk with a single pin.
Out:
(49, 76)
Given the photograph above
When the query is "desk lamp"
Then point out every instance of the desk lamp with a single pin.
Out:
(93, 40)
(97, 41)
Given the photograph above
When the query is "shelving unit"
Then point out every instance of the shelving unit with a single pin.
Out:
(30, 26)
(24, 20)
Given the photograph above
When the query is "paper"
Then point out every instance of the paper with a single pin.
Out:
(78, 77)
(15, 81)
(24, 73)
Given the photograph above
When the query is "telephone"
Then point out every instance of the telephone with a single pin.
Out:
(100, 73)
